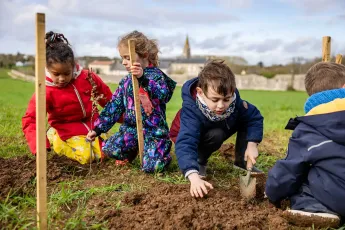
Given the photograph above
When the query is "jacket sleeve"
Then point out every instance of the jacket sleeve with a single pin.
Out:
(160, 87)
(175, 127)
(29, 125)
(286, 176)
(102, 89)
(112, 111)
(251, 118)
(188, 139)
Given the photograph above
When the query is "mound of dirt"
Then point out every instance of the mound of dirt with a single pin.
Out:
(228, 151)
(17, 174)
(168, 206)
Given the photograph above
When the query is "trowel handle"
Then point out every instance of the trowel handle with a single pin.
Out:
(249, 164)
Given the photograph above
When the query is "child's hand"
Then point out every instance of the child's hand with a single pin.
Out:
(91, 135)
(252, 152)
(198, 187)
(136, 70)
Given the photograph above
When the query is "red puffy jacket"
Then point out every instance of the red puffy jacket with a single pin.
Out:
(69, 109)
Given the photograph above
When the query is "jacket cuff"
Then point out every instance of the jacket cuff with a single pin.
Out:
(190, 172)
(254, 139)
(98, 131)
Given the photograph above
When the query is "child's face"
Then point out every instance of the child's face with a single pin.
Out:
(124, 53)
(61, 73)
(215, 101)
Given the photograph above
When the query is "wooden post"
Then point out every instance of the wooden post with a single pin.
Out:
(131, 47)
(41, 155)
(326, 49)
(339, 59)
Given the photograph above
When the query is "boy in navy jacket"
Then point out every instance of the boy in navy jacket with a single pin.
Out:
(212, 111)
(312, 175)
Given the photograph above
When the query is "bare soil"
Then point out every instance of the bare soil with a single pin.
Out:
(160, 205)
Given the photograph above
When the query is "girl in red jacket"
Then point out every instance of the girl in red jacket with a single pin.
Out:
(69, 105)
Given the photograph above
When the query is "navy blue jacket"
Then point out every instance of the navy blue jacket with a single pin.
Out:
(193, 124)
(315, 156)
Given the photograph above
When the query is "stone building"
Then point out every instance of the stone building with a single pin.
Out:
(101, 67)
(186, 64)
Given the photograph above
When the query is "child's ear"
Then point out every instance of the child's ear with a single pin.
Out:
(146, 55)
(199, 91)
(344, 86)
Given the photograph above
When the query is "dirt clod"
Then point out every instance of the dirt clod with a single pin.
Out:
(17, 174)
(168, 206)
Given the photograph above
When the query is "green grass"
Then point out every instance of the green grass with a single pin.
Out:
(15, 212)
(14, 96)
(68, 201)
(276, 107)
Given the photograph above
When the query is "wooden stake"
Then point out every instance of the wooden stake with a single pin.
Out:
(131, 46)
(326, 49)
(339, 59)
(41, 155)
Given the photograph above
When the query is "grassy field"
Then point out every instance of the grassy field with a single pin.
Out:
(17, 212)
(276, 107)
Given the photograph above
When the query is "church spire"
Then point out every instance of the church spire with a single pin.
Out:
(186, 49)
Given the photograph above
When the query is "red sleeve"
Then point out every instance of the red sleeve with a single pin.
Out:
(29, 125)
(102, 89)
(175, 127)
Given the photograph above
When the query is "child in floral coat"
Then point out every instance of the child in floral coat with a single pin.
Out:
(156, 89)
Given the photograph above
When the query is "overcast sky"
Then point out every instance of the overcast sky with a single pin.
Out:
(272, 31)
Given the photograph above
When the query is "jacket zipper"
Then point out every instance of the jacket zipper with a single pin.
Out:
(80, 101)
(227, 125)
(87, 127)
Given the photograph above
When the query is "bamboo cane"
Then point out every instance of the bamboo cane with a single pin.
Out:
(339, 59)
(41, 155)
(131, 46)
(326, 49)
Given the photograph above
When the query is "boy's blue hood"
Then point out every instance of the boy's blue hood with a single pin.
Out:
(187, 90)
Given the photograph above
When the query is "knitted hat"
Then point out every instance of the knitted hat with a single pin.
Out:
(322, 98)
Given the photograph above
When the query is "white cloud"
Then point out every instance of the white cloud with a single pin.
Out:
(315, 6)
(233, 4)
(264, 46)
(214, 27)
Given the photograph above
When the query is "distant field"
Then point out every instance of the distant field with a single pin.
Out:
(276, 107)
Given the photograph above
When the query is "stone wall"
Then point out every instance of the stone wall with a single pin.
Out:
(19, 75)
(280, 82)
(256, 82)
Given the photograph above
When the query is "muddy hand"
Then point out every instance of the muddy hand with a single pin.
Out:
(251, 153)
(91, 136)
(198, 187)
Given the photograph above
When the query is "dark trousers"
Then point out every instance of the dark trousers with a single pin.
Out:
(305, 201)
(213, 139)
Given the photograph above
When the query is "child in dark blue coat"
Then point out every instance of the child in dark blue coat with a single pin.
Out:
(312, 175)
(212, 111)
